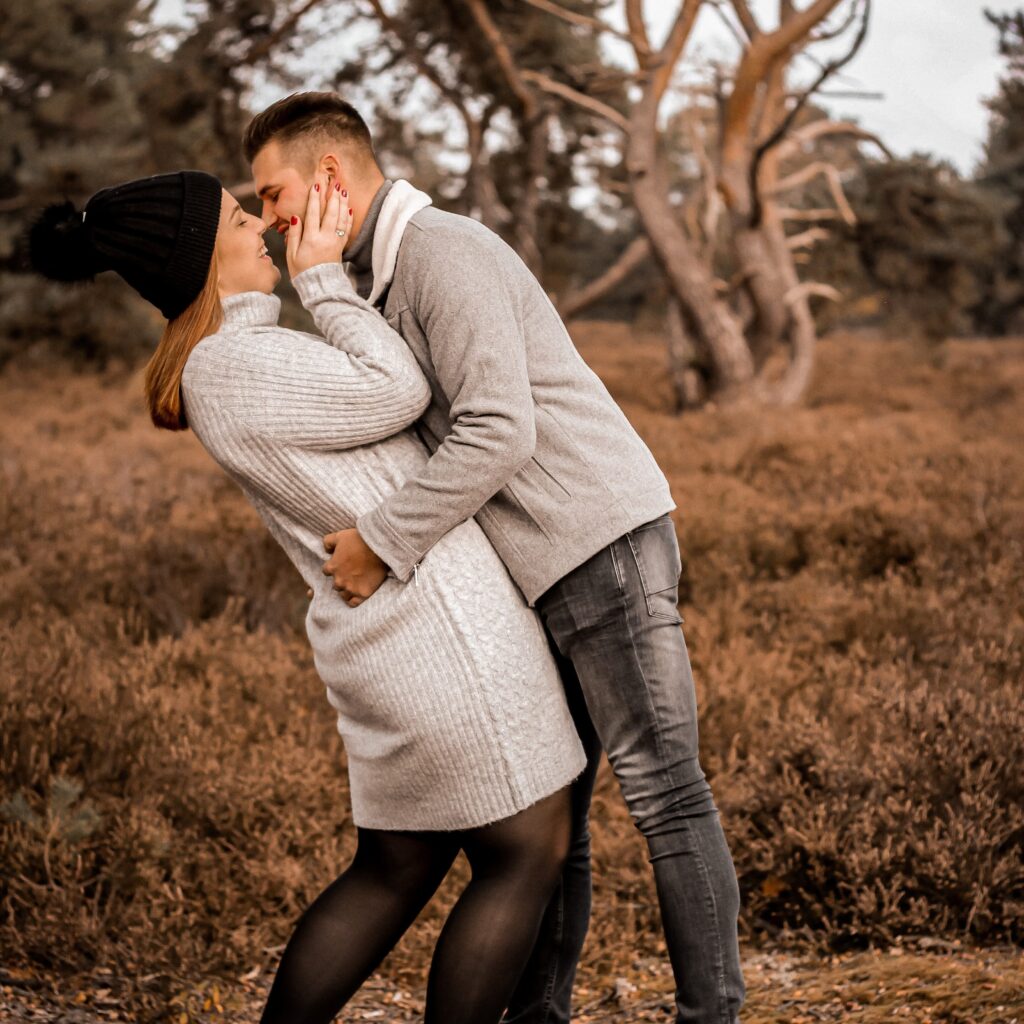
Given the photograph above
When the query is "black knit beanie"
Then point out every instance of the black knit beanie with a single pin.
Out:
(157, 233)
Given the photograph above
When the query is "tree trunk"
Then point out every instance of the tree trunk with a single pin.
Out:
(790, 310)
(764, 260)
(801, 331)
(483, 194)
(527, 224)
(687, 383)
(757, 264)
(713, 325)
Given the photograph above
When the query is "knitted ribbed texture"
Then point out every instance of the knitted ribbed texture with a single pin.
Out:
(447, 698)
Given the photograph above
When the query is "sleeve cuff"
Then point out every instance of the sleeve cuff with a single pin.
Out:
(324, 281)
(387, 545)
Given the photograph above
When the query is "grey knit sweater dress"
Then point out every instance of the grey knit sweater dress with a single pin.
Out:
(447, 697)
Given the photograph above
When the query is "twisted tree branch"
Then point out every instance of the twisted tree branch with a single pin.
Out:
(577, 19)
(567, 92)
(831, 174)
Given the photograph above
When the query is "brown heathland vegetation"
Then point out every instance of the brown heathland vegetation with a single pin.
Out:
(173, 785)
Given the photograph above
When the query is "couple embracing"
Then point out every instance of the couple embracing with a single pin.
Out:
(489, 551)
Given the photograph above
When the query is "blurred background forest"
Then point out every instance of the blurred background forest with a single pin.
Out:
(718, 199)
(820, 341)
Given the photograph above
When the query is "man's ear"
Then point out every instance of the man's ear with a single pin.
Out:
(330, 165)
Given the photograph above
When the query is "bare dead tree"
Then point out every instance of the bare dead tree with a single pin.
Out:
(759, 115)
(733, 326)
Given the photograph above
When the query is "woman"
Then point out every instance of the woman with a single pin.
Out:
(448, 699)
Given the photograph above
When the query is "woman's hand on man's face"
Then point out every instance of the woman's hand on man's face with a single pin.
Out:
(320, 236)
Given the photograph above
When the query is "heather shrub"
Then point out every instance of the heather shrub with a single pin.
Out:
(172, 788)
(198, 835)
(906, 819)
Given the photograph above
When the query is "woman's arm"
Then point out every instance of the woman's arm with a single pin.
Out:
(360, 384)
(348, 322)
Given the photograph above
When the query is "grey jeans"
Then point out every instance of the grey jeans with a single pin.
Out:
(615, 631)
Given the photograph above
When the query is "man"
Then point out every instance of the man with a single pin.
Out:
(525, 437)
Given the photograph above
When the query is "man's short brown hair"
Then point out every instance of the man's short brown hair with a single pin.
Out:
(313, 114)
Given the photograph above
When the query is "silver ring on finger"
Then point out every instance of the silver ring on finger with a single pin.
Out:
(340, 232)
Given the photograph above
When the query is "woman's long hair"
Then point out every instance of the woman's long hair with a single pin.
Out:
(181, 335)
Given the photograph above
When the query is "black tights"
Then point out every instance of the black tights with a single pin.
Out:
(354, 923)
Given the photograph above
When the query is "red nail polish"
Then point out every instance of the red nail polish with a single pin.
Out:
(337, 188)
(295, 220)
(317, 186)
(350, 211)
(344, 192)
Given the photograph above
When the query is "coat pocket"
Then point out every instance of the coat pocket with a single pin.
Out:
(535, 486)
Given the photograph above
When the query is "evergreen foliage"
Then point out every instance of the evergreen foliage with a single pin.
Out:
(928, 241)
(942, 255)
(1002, 173)
(72, 124)
(94, 93)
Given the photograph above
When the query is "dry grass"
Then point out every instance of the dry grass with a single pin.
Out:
(853, 601)
(901, 985)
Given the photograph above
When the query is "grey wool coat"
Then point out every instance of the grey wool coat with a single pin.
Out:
(523, 434)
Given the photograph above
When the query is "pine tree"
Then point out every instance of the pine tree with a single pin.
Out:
(94, 93)
(72, 124)
(1002, 172)
(928, 241)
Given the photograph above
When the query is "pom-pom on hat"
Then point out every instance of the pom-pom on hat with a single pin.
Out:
(158, 233)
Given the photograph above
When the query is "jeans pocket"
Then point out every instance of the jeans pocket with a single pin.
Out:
(659, 565)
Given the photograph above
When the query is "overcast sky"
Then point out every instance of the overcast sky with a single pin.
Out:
(935, 60)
